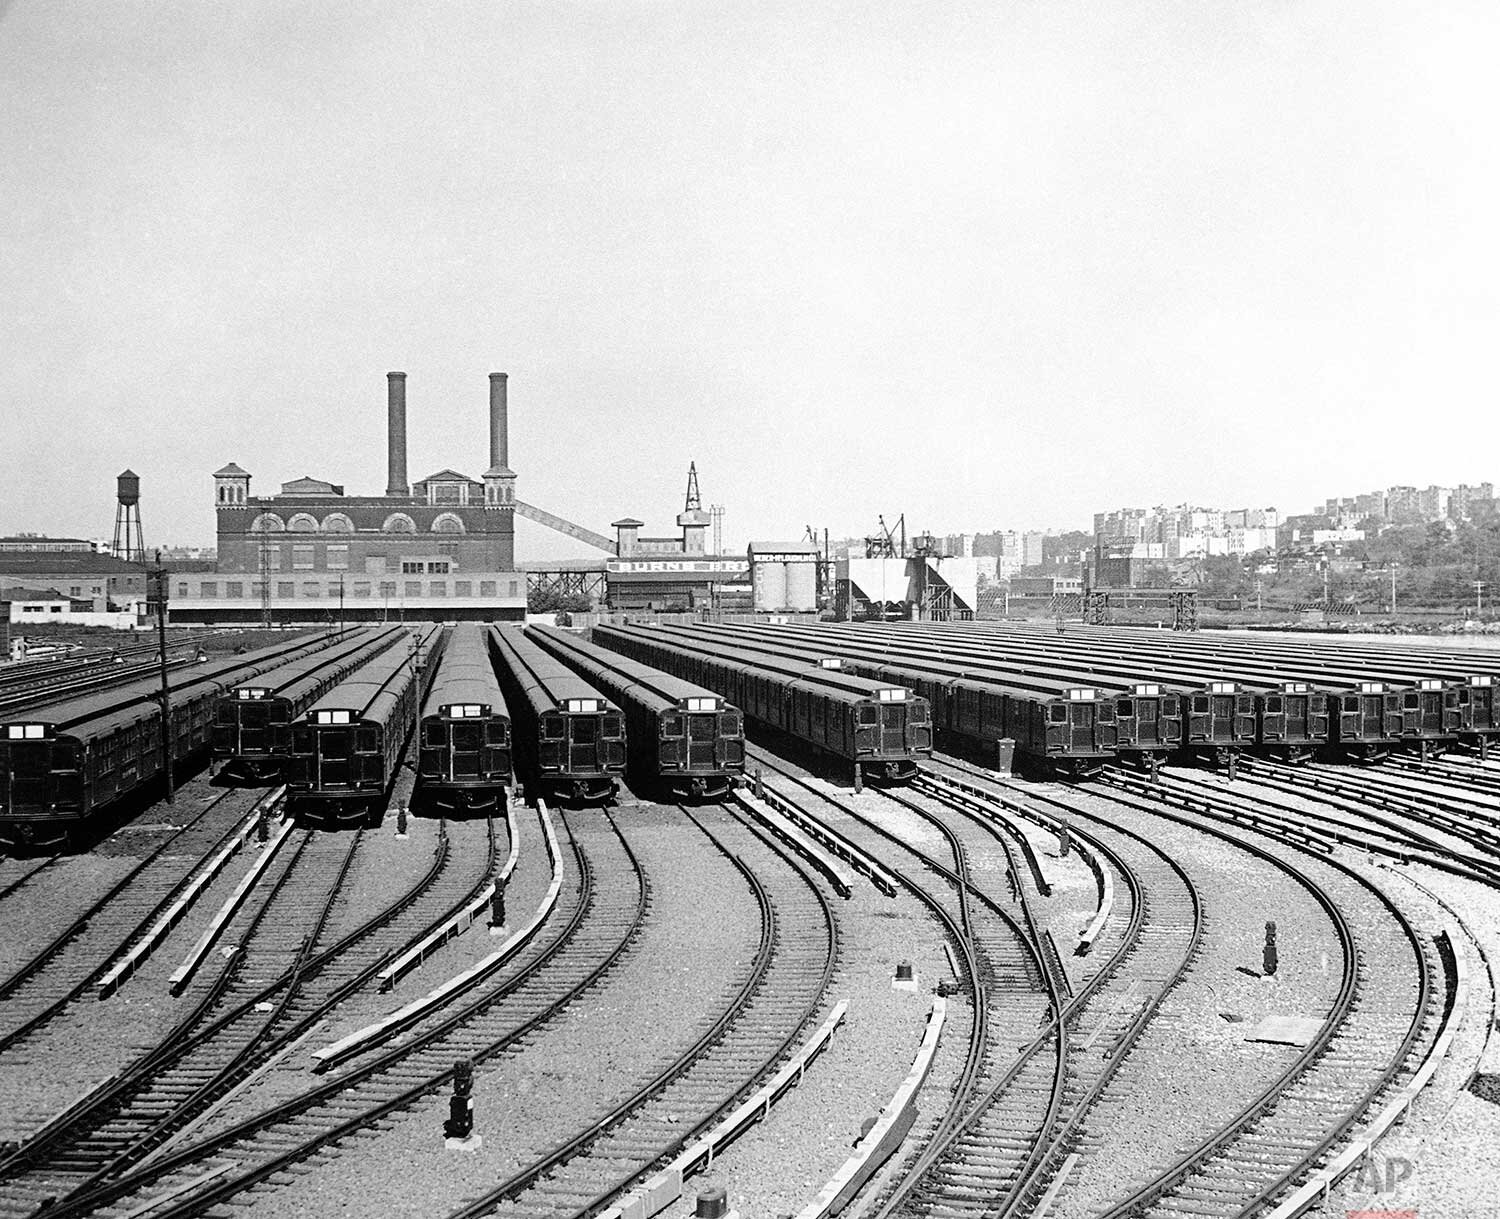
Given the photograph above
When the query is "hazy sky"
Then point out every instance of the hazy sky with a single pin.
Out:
(993, 265)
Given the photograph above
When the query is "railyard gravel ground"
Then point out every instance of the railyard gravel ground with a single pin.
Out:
(700, 933)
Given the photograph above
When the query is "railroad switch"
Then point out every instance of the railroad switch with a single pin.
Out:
(263, 827)
(948, 987)
(1268, 954)
(713, 1203)
(859, 778)
(400, 821)
(497, 907)
(1064, 841)
(906, 977)
(459, 1128)
(759, 787)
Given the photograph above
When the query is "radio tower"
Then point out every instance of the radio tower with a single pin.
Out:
(128, 519)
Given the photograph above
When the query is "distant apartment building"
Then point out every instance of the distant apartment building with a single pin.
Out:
(1186, 531)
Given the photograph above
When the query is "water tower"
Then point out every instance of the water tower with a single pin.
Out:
(128, 544)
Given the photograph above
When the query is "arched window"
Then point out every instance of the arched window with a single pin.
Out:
(399, 522)
(447, 522)
(337, 522)
(267, 522)
(302, 522)
(221, 493)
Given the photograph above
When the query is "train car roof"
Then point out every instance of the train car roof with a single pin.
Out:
(847, 687)
(547, 683)
(466, 674)
(289, 680)
(88, 715)
(363, 689)
(1024, 685)
(633, 677)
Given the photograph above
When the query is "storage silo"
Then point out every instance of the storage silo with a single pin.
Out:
(768, 583)
(802, 584)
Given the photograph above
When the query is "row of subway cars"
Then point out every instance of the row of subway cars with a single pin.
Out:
(331, 716)
(1073, 702)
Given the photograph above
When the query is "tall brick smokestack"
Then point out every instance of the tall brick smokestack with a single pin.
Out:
(395, 410)
(499, 422)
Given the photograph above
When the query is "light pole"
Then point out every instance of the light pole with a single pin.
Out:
(1478, 598)
(1393, 587)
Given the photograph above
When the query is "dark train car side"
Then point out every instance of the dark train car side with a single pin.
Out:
(680, 736)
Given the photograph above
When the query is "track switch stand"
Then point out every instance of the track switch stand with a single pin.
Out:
(460, 1124)
(1268, 955)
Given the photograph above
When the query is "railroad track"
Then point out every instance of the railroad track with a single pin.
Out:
(990, 1170)
(1013, 1045)
(1385, 1008)
(782, 992)
(27, 875)
(1361, 1049)
(69, 964)
(594, 925)
(281, 984)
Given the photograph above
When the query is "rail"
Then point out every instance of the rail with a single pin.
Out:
(861, 861)
(876, 1146)
(418, 953)
(196, 955)
(1317, 1189)
(404, 1017)
(783, 828)
(663, 1189)
(123, 968)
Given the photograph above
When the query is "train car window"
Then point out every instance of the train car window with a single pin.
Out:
(1273, 703)
(1412, 700)
(1081, 714)
(1200, 704)
(613, 727)
(336, 744)
(1169, 706)
(433, 732)
(671, 725)
(868, 716)
(1106, 713)
(729, 723)
(585, 729)
(467, 736)
(367, 740)
(916, 712)
(1125, 708)
(701, 728)
(552, 728)
(1057, 713)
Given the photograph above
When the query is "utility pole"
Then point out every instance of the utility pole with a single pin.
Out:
(1259, 586)
(160, 577)
(341, 606)
(1478, 598)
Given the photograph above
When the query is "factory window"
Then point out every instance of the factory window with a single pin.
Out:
(445, 493)
(182, 590)
(399, 522)
(234, 588)
(437, 588)
(310, 588)
(486, 588)
(414, 588)
(411, 569)
(209, 588)
(302, 558)
(337, 522)
(387, 588)
(302, 522)
(268, 557)
(338, 558)
(285, 588)
(76, 591)
(258, 589)
(335, 588)
(437, 569)
(267, 522)
(448, 548)
(361, 588)
(447, 523)
(463, 588)
(512, 592)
